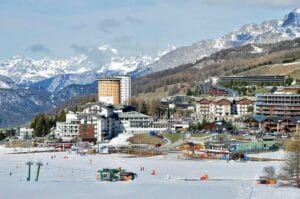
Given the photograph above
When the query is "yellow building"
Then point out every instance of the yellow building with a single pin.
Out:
(109, 90)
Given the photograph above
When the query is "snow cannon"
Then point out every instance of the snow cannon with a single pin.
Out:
(204, 177)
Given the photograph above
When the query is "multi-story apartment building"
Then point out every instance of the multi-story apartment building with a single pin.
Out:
(109, 90)
(279, 112)
(286, 105)
(222, 108)
(216, 90)
(244, 106)
(203, 107)
(69, 129)
(125, 88)
(114, 90)
(96, 122)
(265, 79)
(99, 122)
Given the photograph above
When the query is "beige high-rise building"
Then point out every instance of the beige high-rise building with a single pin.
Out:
(109, 89)
(125, 88)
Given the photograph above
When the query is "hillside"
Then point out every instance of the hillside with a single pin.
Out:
(276, 59)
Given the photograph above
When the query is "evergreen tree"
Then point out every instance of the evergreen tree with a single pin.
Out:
(2, 136)
(42, 125)
(62, 116)
(145, 108)
(189, 92)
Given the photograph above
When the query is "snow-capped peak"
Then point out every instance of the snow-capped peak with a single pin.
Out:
(292, 19)
(26, 70)
(166, 50)
(270, 31)
(256, 49)
(97, 60)
(297, 10)
(124, 65)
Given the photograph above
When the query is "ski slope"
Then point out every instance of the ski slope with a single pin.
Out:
(70, 176)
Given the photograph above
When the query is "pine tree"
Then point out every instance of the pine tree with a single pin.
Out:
(62, 116)
(42, 124)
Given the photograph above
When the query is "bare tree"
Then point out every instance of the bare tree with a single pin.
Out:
(270, 172)
(291, 168)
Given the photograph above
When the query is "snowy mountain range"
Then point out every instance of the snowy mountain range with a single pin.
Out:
(38, 85)
(105, 60)
(23, 70)
(267, 32)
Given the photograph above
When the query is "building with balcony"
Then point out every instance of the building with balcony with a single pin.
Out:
(263, 79)
(223, 108)
(114, 90)
(109, 90)
(276, 112)
(285, 105)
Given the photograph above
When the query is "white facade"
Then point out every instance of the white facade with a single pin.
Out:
(97, 108)
(125, 88)
(242, 109)
(102, 117)
(107, 121)
(135, 122)
(66, 131)
(69, 129)
(222, 108)
(107, 99)
(71, 117)
(99, 123)
(25, 133)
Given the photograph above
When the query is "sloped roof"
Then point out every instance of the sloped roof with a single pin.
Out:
(259, 118)
(244, 101)
(204, 101)
(223, 102)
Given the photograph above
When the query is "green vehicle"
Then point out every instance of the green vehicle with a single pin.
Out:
(113, 175)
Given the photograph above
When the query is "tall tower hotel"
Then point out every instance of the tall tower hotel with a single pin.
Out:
(114, 90)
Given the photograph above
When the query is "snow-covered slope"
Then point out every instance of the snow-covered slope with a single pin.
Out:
(102, 60)
(266, 32)
(6, 83)
(23, 70)
(106, 60)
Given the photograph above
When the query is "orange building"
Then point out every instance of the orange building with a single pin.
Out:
(109, 90)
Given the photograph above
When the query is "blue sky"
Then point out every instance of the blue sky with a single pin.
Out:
(61, 28)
